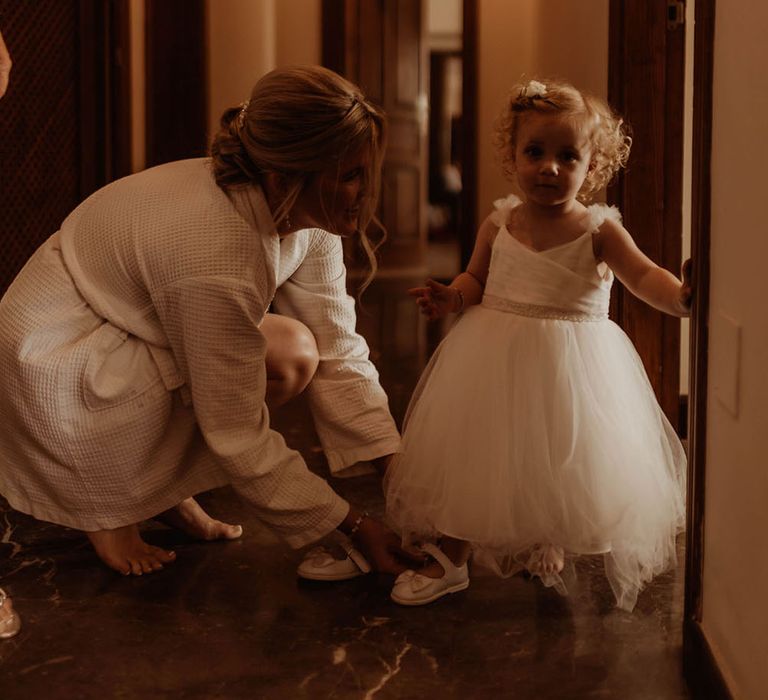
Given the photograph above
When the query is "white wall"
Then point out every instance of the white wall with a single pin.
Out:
(735, 615)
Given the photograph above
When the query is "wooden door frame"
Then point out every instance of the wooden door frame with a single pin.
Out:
(176, 80)
(646, 81)
(105, 93)
(469, 107)
(699, 664)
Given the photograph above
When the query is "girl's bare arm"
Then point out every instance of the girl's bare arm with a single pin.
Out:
(436, 300)
(639, 274)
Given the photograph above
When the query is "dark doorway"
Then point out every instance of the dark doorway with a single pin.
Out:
(64, 118)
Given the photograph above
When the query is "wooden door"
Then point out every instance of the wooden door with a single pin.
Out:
(176, 80)
(646, 83)
(378, 45)
(63, 120)
(699, 662)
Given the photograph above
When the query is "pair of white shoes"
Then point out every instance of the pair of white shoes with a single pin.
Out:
(411, 588)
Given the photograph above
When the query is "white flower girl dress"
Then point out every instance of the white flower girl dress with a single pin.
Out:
(534, 423)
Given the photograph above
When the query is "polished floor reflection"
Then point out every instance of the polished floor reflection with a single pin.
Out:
(231, 620)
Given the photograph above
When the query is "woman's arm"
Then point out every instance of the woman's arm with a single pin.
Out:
(212, 326)
(350, 408)
(639, 274)
(379, 544)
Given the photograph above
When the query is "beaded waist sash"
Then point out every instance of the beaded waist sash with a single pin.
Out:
(538, 311)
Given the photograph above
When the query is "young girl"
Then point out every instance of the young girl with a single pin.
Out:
(534, 433)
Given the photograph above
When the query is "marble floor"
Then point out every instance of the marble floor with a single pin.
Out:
(231, 620)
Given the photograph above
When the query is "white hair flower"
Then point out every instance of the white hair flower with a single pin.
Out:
(534, 89)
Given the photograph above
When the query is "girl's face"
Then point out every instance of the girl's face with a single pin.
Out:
(332, 199)
(552, 157)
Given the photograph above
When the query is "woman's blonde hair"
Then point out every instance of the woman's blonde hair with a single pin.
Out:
(607, 132)
(299, 122)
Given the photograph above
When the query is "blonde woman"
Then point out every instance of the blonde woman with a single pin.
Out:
(138, 358)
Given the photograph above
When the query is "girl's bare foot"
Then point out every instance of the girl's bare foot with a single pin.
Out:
(123, 550)
(189, 517)
(552, 559)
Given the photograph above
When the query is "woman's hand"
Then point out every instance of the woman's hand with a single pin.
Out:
(437, 300)
(686, 288)
(381, 547)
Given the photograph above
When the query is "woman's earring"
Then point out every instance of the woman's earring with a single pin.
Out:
(287, 222)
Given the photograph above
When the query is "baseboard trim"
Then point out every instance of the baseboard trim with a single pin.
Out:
(700, 668)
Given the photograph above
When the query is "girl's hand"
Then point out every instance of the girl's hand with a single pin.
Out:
(686, 289)
(382, 548)
(436, 300)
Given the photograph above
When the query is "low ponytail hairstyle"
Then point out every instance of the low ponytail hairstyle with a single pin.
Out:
(299, 122)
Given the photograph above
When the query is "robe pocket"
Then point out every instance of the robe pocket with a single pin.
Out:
(119, 369)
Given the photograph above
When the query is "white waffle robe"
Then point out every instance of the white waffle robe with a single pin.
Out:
(132, 367)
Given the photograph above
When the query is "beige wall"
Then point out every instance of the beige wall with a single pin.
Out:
(525, 38)
(735, 617)
(241, 47)
(247, 38)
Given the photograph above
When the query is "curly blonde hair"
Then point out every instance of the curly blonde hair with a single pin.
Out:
(299, 122)
(608, 134)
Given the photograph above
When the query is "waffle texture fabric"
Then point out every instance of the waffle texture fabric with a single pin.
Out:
(132, 368)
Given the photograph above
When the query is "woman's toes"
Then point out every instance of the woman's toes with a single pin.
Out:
(217, 530)
(122, 567)
(150, 565)
(156, 564)
(136, 567)
(230, 532)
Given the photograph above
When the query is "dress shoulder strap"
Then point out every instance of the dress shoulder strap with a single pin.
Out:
(502, 208)
(598, 213)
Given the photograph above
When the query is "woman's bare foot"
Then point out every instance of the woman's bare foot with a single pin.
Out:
(123, 550)
(189, 517)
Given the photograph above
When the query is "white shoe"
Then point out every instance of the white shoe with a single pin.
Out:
(319, 564)
(412, 588)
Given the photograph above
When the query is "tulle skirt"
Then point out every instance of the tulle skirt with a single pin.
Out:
(525, 431)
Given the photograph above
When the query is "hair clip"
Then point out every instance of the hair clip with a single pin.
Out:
(241, 114)
(533, 89)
